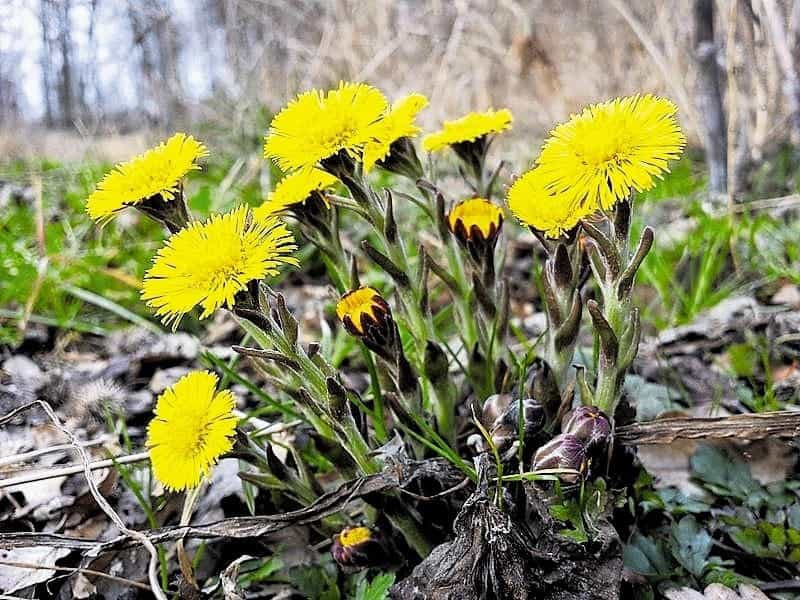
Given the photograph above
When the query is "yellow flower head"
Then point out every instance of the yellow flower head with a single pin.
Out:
(601, 154)
(468, 129)
(207, 264)
(475, 220)
(399, 122)
(193, 426)
(353, 536)
(317, 125)
(294, 189)
(553, 214)
(361, 309)
(358, 547)
(157, 172)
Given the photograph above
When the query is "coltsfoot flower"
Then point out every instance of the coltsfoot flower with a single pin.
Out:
(472, 127)
(207, 264)
(470, 138)
(320, 125)
(391, 148)
(366, 315)
(476, 224)
(534, 205)
(609, 149)
(358, 547)
(193, 426)
(295, 190)
(156, 174)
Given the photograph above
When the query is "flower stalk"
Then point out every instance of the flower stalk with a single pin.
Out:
(616, 322)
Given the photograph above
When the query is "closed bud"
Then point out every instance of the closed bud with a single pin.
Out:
(476, 224)
(506, 427)
(358, 548)
(588, 424)
(366, 315)
(493, 408)
(542, 385)
(565, 451)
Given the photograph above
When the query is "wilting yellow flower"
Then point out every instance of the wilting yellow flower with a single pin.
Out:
(294, 189)
(530, 201)
(475, 220)
(398, 123)
(207, 264)
(317, 125)
(361, 309)
(468, 129)
(157, 172)
(601, 154)
(193, 426)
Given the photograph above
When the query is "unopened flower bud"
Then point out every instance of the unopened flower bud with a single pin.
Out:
(476, 224)
(505, 430)
(358, 547)
(493, 408)
(366, 315)
(588, 424)
(565, 451)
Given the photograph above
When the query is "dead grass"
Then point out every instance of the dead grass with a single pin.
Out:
(542, 59)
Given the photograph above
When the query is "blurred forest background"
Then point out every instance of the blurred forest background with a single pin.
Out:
(110, 75)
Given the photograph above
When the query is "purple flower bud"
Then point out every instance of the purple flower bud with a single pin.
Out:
(565, 451)
(588, 424)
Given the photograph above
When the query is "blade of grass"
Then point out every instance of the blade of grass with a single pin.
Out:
(52, 322)
(112, 307)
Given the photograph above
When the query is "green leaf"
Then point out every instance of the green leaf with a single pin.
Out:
(749, 539)
(690, 545)
(576, 535)
(679, 503)
(652, 399)
(377, 589)
(776, 534)
(726, 477)
(645, 556)
(265, 570)
(744, 359)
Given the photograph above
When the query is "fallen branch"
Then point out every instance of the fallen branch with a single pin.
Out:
(52, 472)
(756, 426)
(246, 527)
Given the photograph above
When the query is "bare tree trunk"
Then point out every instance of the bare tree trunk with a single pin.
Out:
(709, 96)
(783, 51)
(66, 93)
(45, 15)
(756, 55)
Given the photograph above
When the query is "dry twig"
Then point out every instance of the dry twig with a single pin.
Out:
(98, 497)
